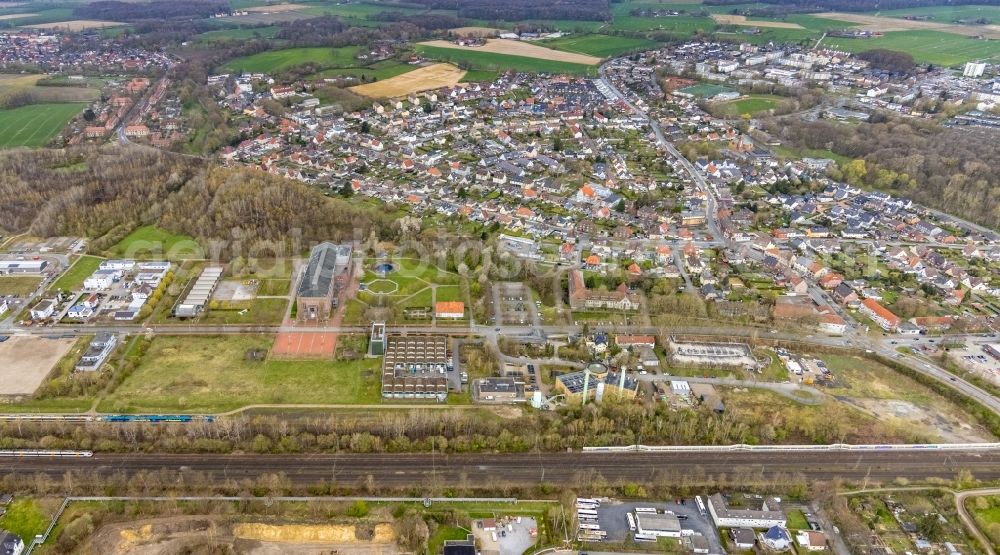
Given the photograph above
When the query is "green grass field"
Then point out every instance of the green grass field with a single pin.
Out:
(238, 34)
(212, 373)
(948, 14)
(278, 60)
(602, 46)
(25, 518)
(73, 278)
(152, 243)
(704, 91)
(933, 47)
(35, 125)
(479, 75)
(18, 285)
(750, 105)
(258, 311)
(377, 71)
(503, 62)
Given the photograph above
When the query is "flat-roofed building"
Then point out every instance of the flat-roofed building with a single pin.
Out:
(660, 525)
(17, 267)
(767, 514)
(498, 390)
(324, 278)
(197, 298)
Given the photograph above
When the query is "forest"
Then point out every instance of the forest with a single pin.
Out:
(953, 170)
(105, 192)
(114, 10)
(514, 10)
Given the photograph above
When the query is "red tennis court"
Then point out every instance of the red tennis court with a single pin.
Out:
(304, 344)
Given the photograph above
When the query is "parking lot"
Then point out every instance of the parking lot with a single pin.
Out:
(513, 537)
(612, 513)
(514, 304)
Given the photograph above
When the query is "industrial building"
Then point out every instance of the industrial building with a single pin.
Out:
(766, 514)
(415, 367)
(19, 267)
(659, 525)
(596, 381)
(324, 278)
(197, 298)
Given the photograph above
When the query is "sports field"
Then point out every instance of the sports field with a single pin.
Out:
(503, 62)
(519, 48)
(277, 60)
(35, 125)
(218, 373)
(703, 91)
(750, 105)
(423, 79)
(602, 46)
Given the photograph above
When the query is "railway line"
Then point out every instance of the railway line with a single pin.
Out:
(414, 470)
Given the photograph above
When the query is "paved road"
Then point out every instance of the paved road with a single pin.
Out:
(796, 392)
(406, 470)
(969, 522)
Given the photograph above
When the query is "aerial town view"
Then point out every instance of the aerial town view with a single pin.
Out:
(499, 277)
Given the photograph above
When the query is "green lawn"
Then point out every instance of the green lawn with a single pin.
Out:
(25, 518)
(797, 520)
(277, 60)
(258, 311)
(602, 46)
(270, 287)
(925, 46)
(479, 75)
(18, 285)
(503, 62)
(72, 279)
(35, 125)
(948, 14)
(212, 373)
(449, 293)
(152, 243)
(375, 72)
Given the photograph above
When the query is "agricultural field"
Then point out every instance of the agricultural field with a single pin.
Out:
(730, 19)
(18, 285)
(212, 374)
(889, 24)
(478, 60)
(750, 105)
(75, 25)
(933, 47)
(277, 60)
(479, 75)
(152, 243)
(35, 125)
(36, 86)
(424, 79)
(947, 14)
(72, 279)
(601, 46)
(518, 48)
